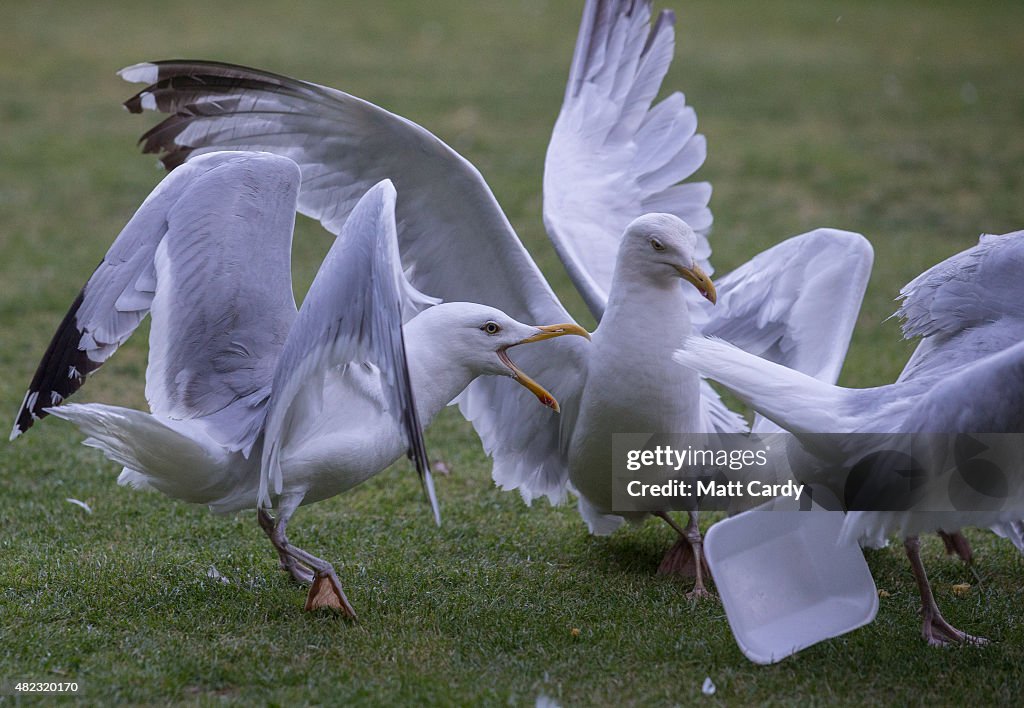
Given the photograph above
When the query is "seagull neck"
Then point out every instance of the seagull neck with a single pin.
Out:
(638, 302)
(436, 376)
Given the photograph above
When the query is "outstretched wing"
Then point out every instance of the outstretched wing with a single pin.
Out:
(528, 443)
(454, 240)
(352, 315)
(224, 302)
(612, 157)
(796, 303)
(212, 235)
(966, 307)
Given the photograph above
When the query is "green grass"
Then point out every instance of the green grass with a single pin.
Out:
(900, 120)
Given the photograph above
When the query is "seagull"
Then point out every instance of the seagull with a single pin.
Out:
(629, 228)
(965, 376)
(254, 403)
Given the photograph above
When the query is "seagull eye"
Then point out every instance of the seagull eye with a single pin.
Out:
(657, 245)
(491, 328)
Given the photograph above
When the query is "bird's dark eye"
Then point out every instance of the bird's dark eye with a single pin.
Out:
(491, 328)
(657, 245)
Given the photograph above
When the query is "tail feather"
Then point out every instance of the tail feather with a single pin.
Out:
(176, 458)
(598, 523)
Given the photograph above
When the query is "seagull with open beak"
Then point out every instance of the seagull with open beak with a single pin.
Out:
(546, 332)
(253, 401)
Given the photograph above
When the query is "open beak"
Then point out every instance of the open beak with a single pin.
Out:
(700, 280)
(544, 332)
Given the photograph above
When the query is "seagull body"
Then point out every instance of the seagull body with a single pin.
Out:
(329, 450)
(254, 403)
(615, 155)
(647, 396)
(966, 376)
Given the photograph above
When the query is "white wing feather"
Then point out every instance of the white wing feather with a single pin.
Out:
(121, 291)
(612, 157)
(796, 303)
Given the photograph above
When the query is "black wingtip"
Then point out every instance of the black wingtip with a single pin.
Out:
(134, 104)
(62, 371)
(190, 91)
(417, 450)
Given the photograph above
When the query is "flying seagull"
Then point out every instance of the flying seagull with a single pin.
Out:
(614, 157)
(255, 403)
(966, 376)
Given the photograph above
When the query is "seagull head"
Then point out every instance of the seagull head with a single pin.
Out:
(479, 337)
(664, 247)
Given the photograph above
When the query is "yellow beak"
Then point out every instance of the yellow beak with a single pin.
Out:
(700, 280)
(558, 330)
(545, 332)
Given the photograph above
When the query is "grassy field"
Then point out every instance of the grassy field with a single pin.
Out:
(901, 120)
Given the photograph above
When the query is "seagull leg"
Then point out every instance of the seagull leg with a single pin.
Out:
(325, 590)
(696, 540)
(277, 537)
(935, 629)
(957, 543)
(678, 560)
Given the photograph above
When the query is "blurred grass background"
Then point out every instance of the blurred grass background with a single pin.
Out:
(901, 120)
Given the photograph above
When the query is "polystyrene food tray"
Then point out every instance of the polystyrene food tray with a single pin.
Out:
(786, 582)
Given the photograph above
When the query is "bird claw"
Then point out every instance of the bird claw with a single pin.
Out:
(299, 572)
(940, 633)
(700, 593)
(935, 640)
(326, 592)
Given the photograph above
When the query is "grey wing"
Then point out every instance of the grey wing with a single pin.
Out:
(224, 303)
(120, 292)
(978, 285)
(454, 240)
(352, 314)
(796, 303)
(985, 396)
(612, 157)
(942, 354)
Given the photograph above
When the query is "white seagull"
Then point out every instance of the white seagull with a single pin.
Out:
(254, 403)
(966, 376)
(614, 156)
